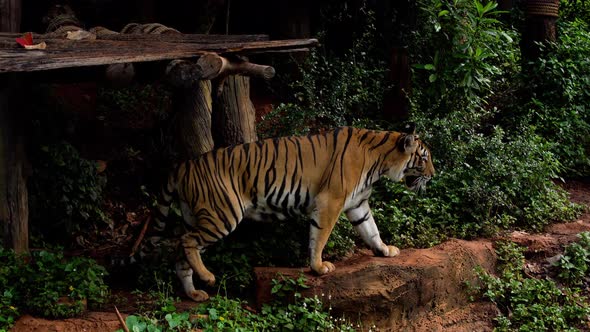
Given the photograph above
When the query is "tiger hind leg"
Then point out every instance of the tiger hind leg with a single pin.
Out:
(324, 217)
(193, 256)
(185, 274)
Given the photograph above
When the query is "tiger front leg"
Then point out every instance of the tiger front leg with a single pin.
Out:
(362, 220)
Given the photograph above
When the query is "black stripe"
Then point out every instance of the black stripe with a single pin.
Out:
(357, 206)
(383, 141)
(361, 220)
(314, 223)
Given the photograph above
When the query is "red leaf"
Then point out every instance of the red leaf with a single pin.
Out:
(26, 39)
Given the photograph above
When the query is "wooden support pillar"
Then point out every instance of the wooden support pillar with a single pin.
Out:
(10, 15)
(14, 207)
(193, 107)
(234, 113)
(234, 117)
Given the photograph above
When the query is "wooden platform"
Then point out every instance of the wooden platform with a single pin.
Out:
(123, 48)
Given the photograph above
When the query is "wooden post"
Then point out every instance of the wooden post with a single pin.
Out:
(234, 117)
(193, 107)
(14, 207)
(234, 113)
(10, 15)
(194, 119)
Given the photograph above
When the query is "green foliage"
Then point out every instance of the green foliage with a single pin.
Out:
(570, 10)
(559, 83)
(529, 304)
(510, 258)
(224, 314)
(462, 51)
(494, 169)
(573, 265)
(66, 191)
(135, 100)
(48, 284)
(10, 268)
(332, 90)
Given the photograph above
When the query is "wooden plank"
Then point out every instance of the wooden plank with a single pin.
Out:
(62, 53)
(171, 38)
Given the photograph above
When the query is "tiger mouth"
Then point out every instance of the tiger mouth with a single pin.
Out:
(416, 183)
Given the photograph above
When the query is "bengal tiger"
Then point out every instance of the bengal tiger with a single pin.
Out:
(319, 176)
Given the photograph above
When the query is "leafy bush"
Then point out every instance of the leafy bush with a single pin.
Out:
(462, 52)
(570, 10)
(66, 191)
(490, 183)
(223, 314)
(56, 287)
(493, 170)
(559, 84)
(529, 304)
(332, 90)
(49, 285)
(10, 267)
(573, 265)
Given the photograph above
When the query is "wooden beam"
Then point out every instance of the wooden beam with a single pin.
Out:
(69, 53)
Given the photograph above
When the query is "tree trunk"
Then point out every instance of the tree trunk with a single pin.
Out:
(14, 211)
(234, 119)
(539, 26)
(395, 104)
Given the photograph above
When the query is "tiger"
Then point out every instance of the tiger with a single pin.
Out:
(319, 176)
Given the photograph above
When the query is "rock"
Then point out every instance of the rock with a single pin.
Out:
(419, 290)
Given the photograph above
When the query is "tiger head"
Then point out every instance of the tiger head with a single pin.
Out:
(419, 169)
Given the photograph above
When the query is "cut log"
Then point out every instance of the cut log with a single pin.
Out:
(193, 108)
(182, 74)
(215, 66)
(234, 117)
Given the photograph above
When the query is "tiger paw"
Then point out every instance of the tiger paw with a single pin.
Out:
(323, 268)
(198, 295)
(390, 251)
(208, 278)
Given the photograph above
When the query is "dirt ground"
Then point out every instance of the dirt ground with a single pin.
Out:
(418, 291)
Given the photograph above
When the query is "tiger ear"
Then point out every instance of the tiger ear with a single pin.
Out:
(410, 142)
(410, 128)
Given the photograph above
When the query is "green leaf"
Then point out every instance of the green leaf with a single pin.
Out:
(443, 13)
